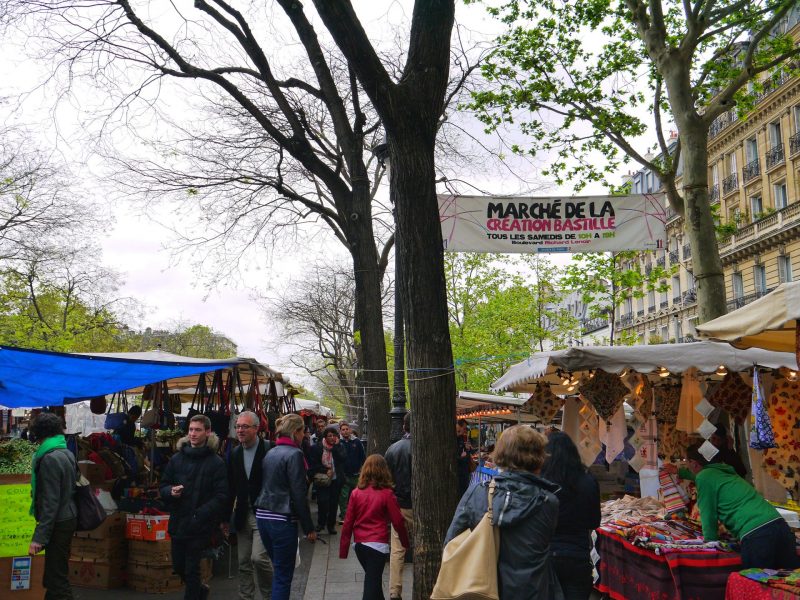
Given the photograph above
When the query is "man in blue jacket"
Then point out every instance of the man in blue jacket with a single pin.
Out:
(352, 466)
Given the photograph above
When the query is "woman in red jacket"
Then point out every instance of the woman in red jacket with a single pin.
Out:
(372, 508)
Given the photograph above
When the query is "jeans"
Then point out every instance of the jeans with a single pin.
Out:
(398, 557)
(373, 563)
(770, 546)
(574, 575)
(348, 485)
(327, 499)
(186, 556)
(254, 564)
(56, 561)
(280, 540)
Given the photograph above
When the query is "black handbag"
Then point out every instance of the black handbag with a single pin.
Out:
(91, 513)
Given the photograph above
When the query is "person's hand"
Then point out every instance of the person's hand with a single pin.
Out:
(226, 529)
(312, 537)
(177, 490)
(330, 472)
(35, 548)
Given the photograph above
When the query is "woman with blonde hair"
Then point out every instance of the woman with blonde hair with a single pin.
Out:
(372, 508)
(524, 508)
(282, 503)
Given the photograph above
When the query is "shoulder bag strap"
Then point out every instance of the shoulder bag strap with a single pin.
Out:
(489, 501)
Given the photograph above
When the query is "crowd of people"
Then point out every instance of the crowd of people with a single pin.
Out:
(545, 505)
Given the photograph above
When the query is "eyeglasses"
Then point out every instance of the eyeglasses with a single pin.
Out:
(245, 426)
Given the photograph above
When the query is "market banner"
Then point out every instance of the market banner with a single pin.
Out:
(553, 224)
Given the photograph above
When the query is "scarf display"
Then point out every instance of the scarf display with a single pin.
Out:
(784, 414)
(689, 419)
(761, 434)
(589, 437)
(612, 434)
(733, 396)
(544, 403)
(605, 391)
(56, 442)
(667, 401)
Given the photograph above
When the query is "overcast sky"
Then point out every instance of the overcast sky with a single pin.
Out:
(170, 287)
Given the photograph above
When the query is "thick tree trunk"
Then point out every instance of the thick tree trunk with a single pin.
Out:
(374, 378)
(699, 226)
(430, 359)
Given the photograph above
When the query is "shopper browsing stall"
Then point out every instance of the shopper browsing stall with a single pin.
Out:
(767, 542)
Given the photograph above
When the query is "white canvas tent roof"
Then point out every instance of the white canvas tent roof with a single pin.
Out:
(313, 406)
(477, 401)
(705, 356)
(768, 322)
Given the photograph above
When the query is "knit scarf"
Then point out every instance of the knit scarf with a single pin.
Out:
(52, 443)
(287, 441)
(327, 455)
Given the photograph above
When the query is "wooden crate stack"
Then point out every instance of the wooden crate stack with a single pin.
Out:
(98, 557)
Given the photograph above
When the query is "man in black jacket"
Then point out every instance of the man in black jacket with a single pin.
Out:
(245, 477)
(398, 457)
(195, 485)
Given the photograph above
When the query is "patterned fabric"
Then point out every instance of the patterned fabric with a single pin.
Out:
(612, 434)
(605, 391)
(544, 403)
(671, 494)
(641, 396)
(733, 396)
(761, 434)
(667, 399)
(589, 437)
(671, 442)
(784, 414)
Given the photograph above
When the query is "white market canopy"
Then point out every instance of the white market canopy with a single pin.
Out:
(494, 408)
(768, 322)
(313, 406)
(676, 358)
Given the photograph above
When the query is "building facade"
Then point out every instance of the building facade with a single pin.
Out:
(754, 175)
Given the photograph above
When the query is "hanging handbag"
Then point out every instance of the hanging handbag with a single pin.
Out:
(217, 408)
(91, 513)
(469, 562)
(117, 411)
(97, 405)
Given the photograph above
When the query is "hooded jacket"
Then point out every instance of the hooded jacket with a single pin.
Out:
(201, 507)
(525, 509)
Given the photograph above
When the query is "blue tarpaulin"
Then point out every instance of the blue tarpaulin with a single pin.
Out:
(35, 378)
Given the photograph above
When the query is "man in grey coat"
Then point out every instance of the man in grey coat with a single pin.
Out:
(53, 504)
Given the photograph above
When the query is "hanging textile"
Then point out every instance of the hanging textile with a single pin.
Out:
(571, 419)
(672, 443)
(544, 403)
(589, 436)
(688, 418)
(672, 494)
(733, 396)
(784, 413)
(605, 391)
(761, 434)
(667, 400)
(612, 434)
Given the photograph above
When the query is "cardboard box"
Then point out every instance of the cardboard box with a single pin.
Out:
(96, 474)
(112, 527)
(36, 592)
(150, 552)
(147, 527)
(159, 579)
(97, 574)
(109, 549)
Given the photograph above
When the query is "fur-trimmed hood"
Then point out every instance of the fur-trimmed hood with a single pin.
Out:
(212, 442)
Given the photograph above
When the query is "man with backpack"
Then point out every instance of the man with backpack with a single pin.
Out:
(245, 477)
(52, 503)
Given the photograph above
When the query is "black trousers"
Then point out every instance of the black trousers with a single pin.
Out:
(771, 546)
(373, 563)
(56, 562)
(574, 575)
(186, 556)
(328, 504)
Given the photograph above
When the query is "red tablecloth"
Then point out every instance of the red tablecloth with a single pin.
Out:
(639, 574)
(742, 588)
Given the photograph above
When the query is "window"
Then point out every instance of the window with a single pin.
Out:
(652, 336)
(760, 278)
(784, 268)
(731, 163)
(676, 286)
(689, 280)
(779, 195)
(735, 215)
(665, 334)
(751, 150)
(678, 330)
(628, 305)
(796, 112)
(651, 298)
(738, 285)
(775, 134)
(756, 207)
(715, 168)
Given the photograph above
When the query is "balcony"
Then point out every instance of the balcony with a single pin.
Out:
(651, 308)
(640, 313)
(676, 299)
(664, 304)
(626, 319)
(751, 170)
(673, 257)
(745, 300)
(661, 261)
(730, 184)
(686, 340)
(794, 143)
(722, 122)
(591, 325)
(687, 252)
(713, 193)
(775, 156)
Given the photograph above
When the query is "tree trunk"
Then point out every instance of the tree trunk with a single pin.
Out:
(430, 358)
(700, 228)
(369, 318)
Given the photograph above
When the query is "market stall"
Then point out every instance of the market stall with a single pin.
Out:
(672, 391)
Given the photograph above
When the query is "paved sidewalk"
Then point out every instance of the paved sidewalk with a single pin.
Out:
(331, 578)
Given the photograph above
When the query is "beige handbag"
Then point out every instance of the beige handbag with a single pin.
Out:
(467, 572)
